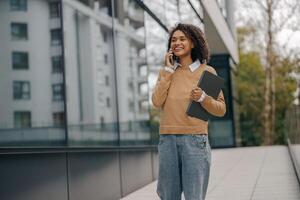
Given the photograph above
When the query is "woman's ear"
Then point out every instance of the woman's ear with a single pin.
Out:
(192, 46)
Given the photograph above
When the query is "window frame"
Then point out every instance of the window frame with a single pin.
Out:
(24, 65)
(22, 114)
(57, 64)
(21, 95)
(22, 31)
(58, 95)
(54, 10)
(56, 37)
(18, 5)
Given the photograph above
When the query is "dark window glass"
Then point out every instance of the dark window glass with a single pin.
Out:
(21, 90)
(104, 36)
(105, 58)
(54, 9)
(106, 80)
(22, 119)
(102, 122)
(56, 64)
(19, 31)
(108, 102)
(57, 92)
(58, 118)
(18, 5)
(56, 37)
(20, 60)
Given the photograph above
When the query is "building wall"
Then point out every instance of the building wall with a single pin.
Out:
(39, 73)
(112, 51)
(107, 175)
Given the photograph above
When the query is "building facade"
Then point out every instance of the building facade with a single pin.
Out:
(76, 78)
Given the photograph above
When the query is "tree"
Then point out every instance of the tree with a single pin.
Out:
(269, 17)
(250, 79)
(250, 85)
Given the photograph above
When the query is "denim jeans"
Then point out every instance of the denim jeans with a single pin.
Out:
(184, 166)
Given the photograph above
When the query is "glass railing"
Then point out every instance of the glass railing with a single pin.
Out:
(132, 133)
(32, 137)
(292, 124)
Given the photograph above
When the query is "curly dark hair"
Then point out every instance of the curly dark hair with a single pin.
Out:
(195, 34)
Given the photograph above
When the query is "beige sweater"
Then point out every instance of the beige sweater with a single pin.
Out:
(172, 94)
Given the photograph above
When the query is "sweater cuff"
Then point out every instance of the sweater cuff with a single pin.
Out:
(202, 97)
(166, 75)
(169, 69)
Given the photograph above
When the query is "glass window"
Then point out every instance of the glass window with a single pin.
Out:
(57, 92)
(58, 118)
(143, 70)
(21, 90)
(92, 101)
(27, 105)
(20, 60)
(19, 31)
(18, 5)
(105, 58)
(144, 106)
(104, 36)
(107, 80)
(54, 8)
(131, 105)
(57, 65)
(131, 50)
(158, 8)
(191, 12)
(108, 102)
(22, 119)
(143, 89)
(56, 37)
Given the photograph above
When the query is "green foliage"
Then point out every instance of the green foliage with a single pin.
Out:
(250, 86)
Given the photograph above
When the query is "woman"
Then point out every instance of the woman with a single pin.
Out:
(183, 149)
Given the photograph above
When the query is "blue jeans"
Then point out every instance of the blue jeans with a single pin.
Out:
(184, 166)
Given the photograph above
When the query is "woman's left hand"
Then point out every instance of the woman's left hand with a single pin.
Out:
(196, 94)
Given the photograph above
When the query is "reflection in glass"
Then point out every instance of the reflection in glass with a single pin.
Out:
(90, 73)
(158, 8)
(20, 60)
(156, 38)
(181, 11)
(19, 31)
(22, 119)
(54, 9)
(189, 15)
(18, 5)
(132, 85)
(26, 106)
(56, 37)
(21, 90)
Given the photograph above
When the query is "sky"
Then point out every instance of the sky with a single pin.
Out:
(286, 36)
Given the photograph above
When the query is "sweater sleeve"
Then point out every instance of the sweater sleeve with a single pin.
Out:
(160, 92)
(217, 106)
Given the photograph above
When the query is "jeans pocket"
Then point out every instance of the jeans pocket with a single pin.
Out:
(200, 141)
(161, 139)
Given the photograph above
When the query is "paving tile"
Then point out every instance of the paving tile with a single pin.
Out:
(248, 173)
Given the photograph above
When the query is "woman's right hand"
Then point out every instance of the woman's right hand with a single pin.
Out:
(169, 59)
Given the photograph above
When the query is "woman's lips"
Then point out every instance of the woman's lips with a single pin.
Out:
(177, 49)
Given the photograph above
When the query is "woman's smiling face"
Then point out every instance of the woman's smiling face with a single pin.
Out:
(180, 44)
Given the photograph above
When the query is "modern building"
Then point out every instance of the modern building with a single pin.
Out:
(75, 81)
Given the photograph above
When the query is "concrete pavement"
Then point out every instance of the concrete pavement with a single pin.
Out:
(248, 173)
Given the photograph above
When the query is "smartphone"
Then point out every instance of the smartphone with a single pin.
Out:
(174, 59)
